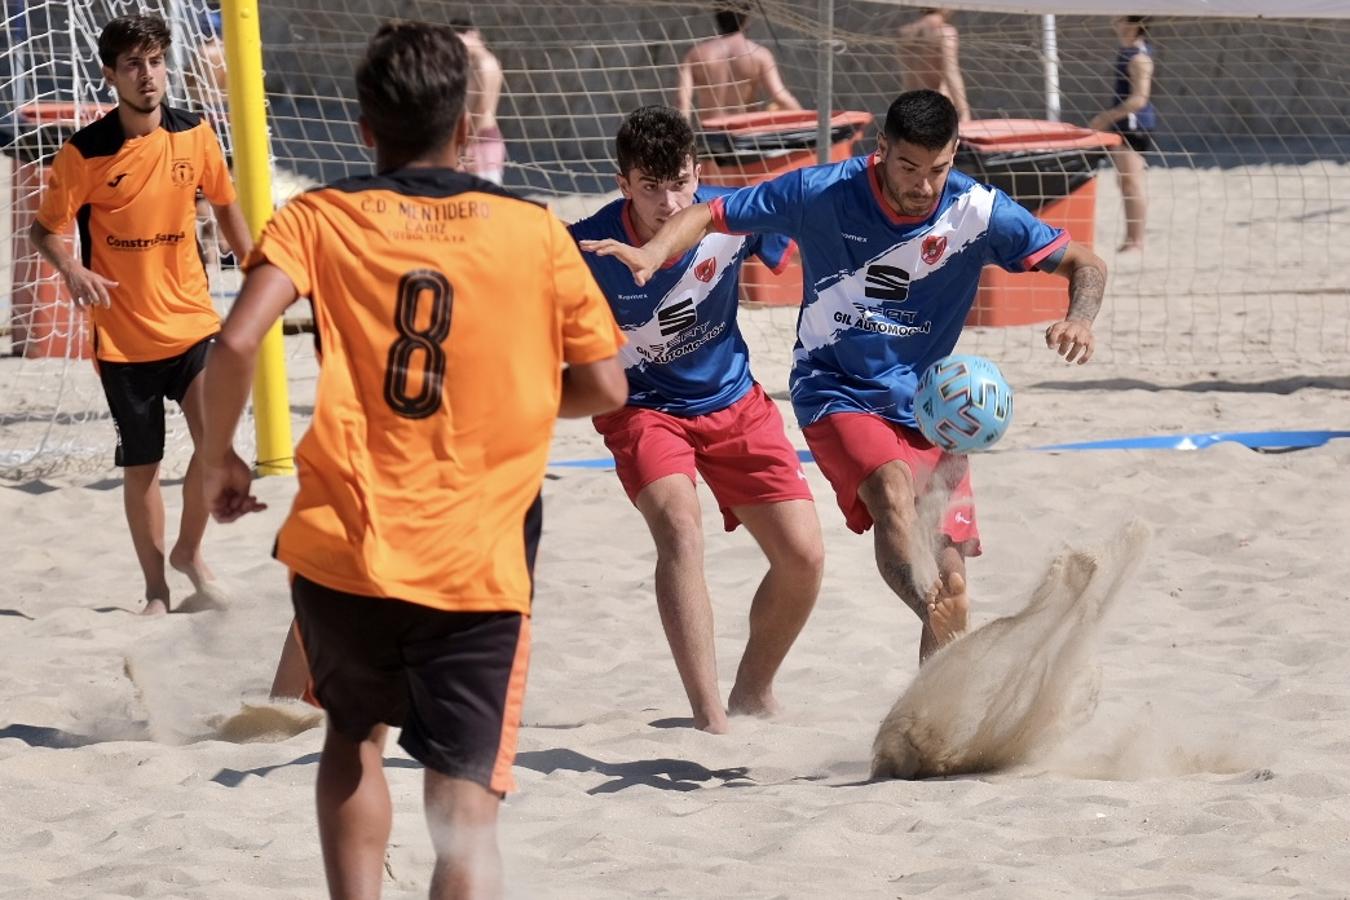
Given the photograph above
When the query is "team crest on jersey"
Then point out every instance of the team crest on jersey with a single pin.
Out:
(705, 270)
(933, 248)
(182, 172)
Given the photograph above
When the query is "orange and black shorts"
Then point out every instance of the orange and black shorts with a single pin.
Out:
(453, 681)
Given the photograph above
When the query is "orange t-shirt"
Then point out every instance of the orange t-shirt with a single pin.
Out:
(445, 308)
(135, 202)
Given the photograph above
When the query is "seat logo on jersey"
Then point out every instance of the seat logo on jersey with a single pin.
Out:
(933, 248)
(887, 282)
(705, 270)
(182, 172)
(677, 317)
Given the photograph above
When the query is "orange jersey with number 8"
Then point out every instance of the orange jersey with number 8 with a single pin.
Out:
(444, 309)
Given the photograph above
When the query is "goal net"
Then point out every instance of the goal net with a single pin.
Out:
(1243, 271)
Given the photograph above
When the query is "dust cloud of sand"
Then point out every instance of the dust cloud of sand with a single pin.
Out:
(1014, 688)
(180, 704)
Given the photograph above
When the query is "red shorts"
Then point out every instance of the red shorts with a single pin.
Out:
(848, 447)
(741, 452)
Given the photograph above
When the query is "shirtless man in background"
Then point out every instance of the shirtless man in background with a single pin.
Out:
(929, 50)
(485, 152)
(729, 74)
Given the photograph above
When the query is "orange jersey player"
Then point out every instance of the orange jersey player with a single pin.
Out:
(456, 321)
(129, 181)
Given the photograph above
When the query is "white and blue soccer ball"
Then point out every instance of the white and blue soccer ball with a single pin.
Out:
(963, 403)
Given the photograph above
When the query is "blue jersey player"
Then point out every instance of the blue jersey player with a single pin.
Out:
(892, 246)
(693, 407)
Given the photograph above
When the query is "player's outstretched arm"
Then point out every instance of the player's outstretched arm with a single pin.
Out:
(591, 389)
(680, 232)
(266, 293)
(1073, 338)
(86, 288)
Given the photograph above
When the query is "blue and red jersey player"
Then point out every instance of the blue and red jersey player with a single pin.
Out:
(695, 409)
(892, 246)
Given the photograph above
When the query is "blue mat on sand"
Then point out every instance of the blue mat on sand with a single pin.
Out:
(1261, 441)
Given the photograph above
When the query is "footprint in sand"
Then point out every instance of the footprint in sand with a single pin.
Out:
(1016, 686)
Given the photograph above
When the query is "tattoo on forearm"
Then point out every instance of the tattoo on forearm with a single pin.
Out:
(1086, 288)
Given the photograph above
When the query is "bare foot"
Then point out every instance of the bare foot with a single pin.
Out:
(1130, 247)
(711, 724)
(191, 566)
(761, 704)
(948, 611)
(156, 606)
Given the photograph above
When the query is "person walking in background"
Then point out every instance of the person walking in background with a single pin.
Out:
(730, 74)
(1134, 118)
(485, 153)
(930, 53)
(208, 89)
(208, 82)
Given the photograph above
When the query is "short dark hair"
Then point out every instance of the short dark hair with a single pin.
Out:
(1141, 22)
(126, 34)
(924, 118)
(655, 139)
(411, 87)
(730, 15)
(462, 25)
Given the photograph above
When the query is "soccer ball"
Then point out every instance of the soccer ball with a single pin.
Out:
(963, 403)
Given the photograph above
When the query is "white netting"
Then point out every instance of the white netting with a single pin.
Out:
(1249, 220)
(1250, 194)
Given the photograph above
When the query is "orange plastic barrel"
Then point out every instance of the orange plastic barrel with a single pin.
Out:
(749, 148)
(44, 322)
(1049, 168)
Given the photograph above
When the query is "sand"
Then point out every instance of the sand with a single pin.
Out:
(140, 758)
(1215, 763)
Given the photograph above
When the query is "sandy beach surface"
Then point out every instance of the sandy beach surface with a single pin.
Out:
(140, 758)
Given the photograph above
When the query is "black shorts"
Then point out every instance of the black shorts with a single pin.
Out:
(1138, 141)
(453, 681)
(136, 392)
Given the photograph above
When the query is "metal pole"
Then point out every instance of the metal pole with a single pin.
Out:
(825, 81)
(1050, 53)
(253, 174)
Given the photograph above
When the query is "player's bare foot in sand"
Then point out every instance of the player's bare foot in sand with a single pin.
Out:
(948, 613)
(191, 565)
(758, 703)
(713, 724)
(156, 606)
(1131, 247)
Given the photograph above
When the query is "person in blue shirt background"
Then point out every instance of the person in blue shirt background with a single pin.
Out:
(693, 406)
(1133, 116)
(892, 246)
